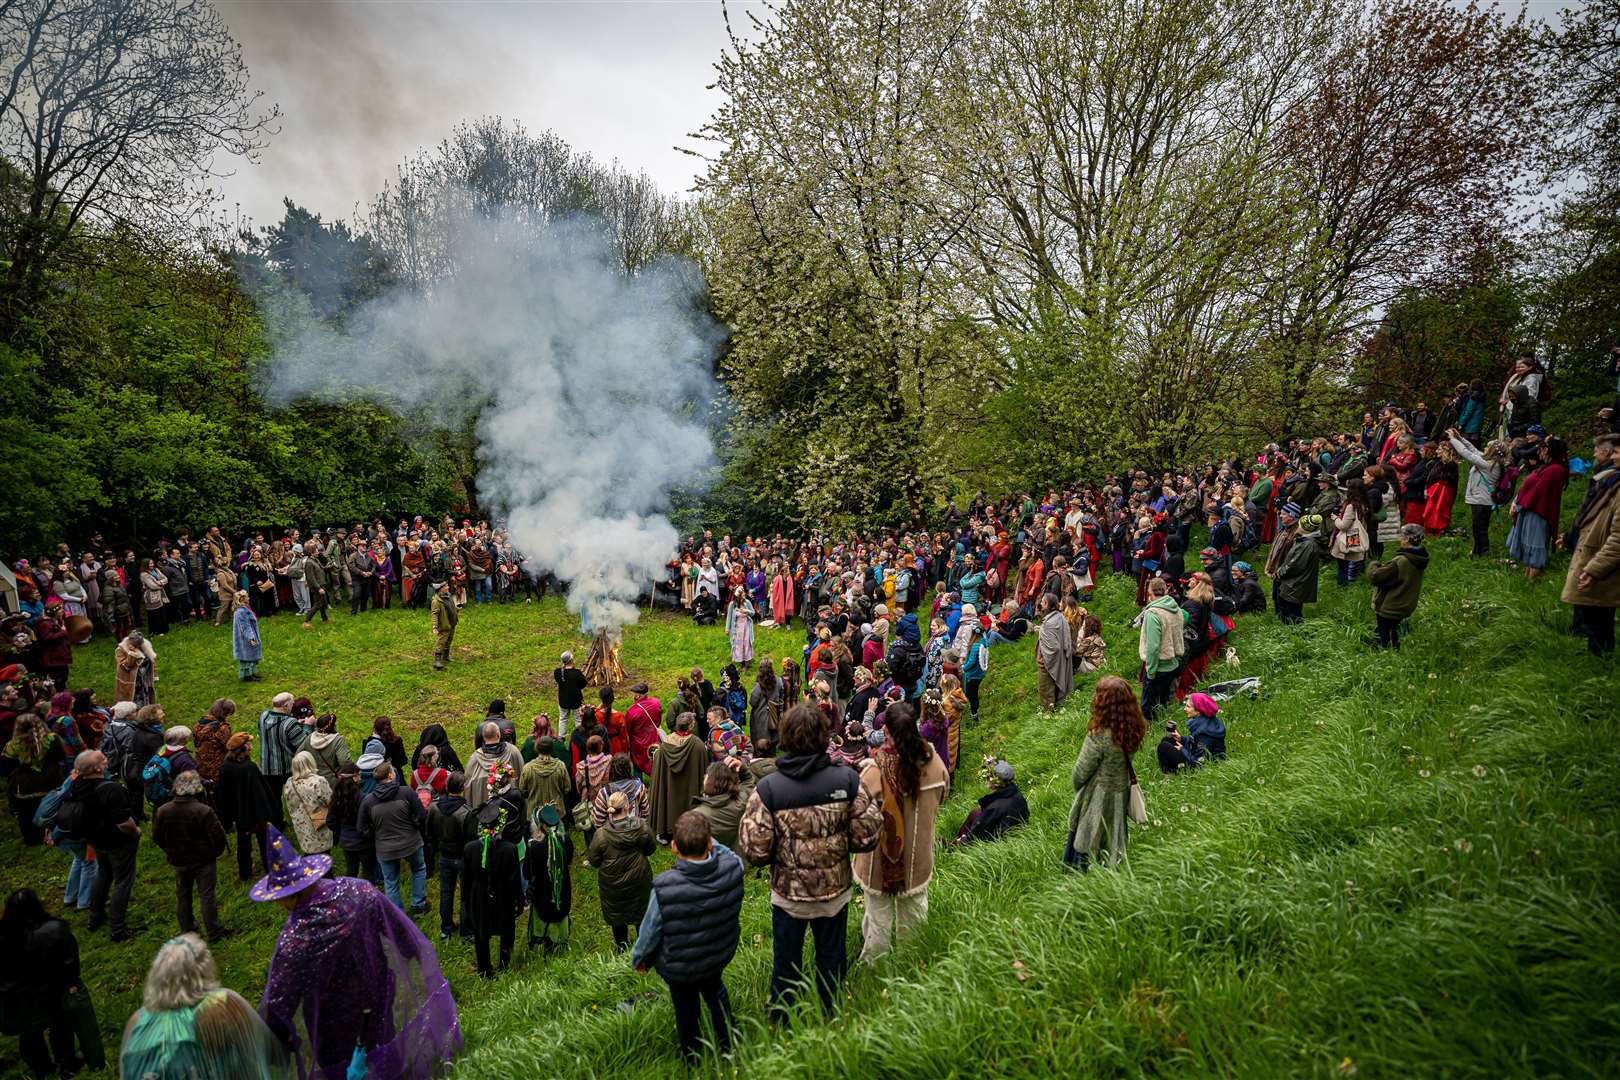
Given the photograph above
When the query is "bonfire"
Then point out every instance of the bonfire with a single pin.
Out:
(602, 667)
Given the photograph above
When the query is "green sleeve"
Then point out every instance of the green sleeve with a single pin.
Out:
(1152, 633)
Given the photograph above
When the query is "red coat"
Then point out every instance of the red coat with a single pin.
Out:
(618, 731)
(1543, 492)
(1001, 559)
(642, 720)
(782, 591)
(54, 648)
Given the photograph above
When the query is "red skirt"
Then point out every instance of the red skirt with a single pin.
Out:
(1191, 672)
(1437, 508)
(1412, 513)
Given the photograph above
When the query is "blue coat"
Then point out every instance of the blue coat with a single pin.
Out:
(1471, 417)
(245, 643)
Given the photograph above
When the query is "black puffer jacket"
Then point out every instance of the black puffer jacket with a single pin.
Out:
(699, 904)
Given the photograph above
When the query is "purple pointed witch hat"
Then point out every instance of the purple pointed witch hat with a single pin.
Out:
(290, 872)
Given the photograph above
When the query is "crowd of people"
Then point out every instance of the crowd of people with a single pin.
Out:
(827, 768)
(61, 599)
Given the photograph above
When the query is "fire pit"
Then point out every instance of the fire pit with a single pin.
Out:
(602, 667)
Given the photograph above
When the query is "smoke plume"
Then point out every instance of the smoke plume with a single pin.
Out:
(592, 386)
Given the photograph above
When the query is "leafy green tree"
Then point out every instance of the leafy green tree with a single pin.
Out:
(829, 235)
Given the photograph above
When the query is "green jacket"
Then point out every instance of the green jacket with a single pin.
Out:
(619, 852)
(1353, 467)
(1161, 645)
(724, 814)
(1396, 584)
(544, 780)
(1296, 575)
(444, 614)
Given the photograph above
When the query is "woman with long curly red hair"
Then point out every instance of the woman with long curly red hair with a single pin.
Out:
(1103, 776)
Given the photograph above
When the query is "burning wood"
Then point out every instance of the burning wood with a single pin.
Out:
(602, 667)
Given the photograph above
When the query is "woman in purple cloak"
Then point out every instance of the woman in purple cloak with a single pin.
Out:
(351, 974)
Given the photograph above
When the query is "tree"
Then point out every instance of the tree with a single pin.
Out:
(1440, 334)
(1407, 158)
(113, 112)
(830, 238)
(1118, 166)
(335, 267)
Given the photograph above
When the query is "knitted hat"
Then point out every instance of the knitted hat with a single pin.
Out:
(1310, 523)
(1243, 567)
(241, 738)
(1209, 553)
(290, 872)
(1203, 704)
(1290, 510)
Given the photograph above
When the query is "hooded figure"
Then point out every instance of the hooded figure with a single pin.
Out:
(493, 887)
(434, 735)
(1054, 659)
(677, 777)
(619, 851)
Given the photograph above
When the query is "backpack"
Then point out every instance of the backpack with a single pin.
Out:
(424, 789)
(1502, 493)
(117, 740)
(73, 818)
(45, 815)
(1219, 625)
(158, 778)
(906, 663)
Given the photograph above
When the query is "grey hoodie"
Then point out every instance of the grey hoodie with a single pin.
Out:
(392, 818)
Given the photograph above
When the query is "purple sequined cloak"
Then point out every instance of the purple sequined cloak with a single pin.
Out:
(349, 966)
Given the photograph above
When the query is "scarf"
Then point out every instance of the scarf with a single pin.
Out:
(892, 844)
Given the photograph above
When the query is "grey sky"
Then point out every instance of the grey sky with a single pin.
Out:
(364, 83)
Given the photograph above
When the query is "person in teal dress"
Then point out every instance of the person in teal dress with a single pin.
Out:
(190, 1028)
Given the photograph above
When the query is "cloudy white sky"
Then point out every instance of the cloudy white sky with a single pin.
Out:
(363, 83)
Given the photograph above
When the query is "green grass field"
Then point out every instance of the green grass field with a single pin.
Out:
(1408, 867)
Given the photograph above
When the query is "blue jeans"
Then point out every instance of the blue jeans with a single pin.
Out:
(1347, 570)
(481, 591)
(390, 873)
(81, 875)
(449, 871)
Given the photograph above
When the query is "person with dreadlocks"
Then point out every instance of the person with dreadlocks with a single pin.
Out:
(493, 886)
(546, 863)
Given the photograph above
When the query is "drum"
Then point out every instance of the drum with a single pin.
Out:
(79, 629)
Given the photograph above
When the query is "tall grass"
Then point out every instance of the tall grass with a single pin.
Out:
(1408, 865)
